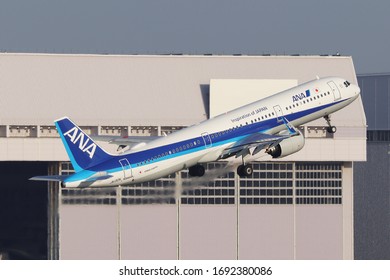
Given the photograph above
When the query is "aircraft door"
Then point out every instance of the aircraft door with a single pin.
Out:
(127, 172)
(335, 90)
(206, 139)
(279, 113)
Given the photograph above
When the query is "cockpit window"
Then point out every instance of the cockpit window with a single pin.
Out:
(347, 84)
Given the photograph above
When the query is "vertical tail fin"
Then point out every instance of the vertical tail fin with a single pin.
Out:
(83, 152)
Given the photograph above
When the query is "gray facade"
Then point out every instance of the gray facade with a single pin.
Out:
(375, 93)
(372, 178)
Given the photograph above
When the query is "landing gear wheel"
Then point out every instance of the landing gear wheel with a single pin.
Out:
(196, 170)
(331, 129)
(245, 170)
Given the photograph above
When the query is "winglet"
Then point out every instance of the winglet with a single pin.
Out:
(291, 129)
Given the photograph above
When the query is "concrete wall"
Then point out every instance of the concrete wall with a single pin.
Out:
(119, 88)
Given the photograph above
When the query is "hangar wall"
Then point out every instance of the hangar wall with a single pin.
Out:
(264, 217)
(222, 218)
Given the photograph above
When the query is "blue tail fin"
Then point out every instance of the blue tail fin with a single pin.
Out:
(82, 150)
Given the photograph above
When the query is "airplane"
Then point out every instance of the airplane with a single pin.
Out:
(268, 125)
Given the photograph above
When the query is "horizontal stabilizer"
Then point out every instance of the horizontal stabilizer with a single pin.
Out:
(50, 178)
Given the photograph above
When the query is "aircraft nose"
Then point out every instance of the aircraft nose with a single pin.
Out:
(355, 89)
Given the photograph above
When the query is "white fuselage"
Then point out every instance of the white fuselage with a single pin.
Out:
(206, 141)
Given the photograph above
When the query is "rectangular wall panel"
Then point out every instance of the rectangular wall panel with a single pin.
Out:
(208, 232)
(88, 232)
(266, 232)
(319, 232)
(148, 232)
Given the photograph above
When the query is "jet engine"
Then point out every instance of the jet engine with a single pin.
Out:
(287, 146)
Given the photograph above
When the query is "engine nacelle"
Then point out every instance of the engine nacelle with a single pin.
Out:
(287, 146)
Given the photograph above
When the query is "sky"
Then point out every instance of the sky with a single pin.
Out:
(356, 28)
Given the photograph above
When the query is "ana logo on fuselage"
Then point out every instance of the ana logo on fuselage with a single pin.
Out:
(77, 136)
(298, 97)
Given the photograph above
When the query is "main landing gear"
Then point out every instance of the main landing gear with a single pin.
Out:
(330, 129)
(245, 170)
(196, 170)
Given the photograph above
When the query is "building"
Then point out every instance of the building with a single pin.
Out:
(299, 207)
(372, 178)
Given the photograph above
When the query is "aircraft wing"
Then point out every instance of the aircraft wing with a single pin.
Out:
(125, 141)
(259, 141)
